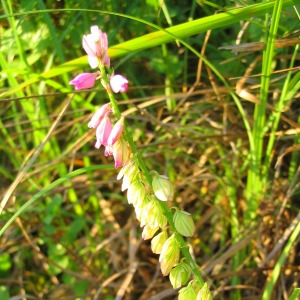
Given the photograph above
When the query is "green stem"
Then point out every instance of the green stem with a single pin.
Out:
(166, 211)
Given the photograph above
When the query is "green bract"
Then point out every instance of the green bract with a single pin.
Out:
(187, 293)
(162, 187)
(169, 255)
(148, 232)
(204, 293)
(158, 242)
(129, 173)
(136, 192)
(139, 210)
(153, 215)
(180, 275)
(184, 223)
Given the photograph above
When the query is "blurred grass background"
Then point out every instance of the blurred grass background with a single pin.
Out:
(233, 160)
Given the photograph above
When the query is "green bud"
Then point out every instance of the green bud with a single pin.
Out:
(136, 192)
(187, 293)
(162, 187)
(169, 255)
(153, 215)
(158, 241)
(148, 232)
(195, 284)
(204, 293)
(139, 210)
(129, 172)
(180, 275)
(184, 223)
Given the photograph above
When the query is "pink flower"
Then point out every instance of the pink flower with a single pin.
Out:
(118, 83)
(84, 81)
(106, 60)
(99, 115)
(94, 61)
(121, 152)
(108, 150)
(95, 43)
(116, 132)
(103, 131)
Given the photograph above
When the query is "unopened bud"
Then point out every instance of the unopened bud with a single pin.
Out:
(204, 293)
(169, 255)
(129, 173)
(158, 241)
(139, 210)
(136, 192)
(180, 275)
(130, 164)
(184, 223)
(162, 187)
(148, 232)
(153, 214)
(187, 293)
(121, 152)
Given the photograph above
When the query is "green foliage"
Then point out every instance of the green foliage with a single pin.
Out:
(219, 150)
(5, 265)
(4, 294)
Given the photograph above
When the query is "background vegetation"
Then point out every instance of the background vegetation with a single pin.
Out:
(223, 126)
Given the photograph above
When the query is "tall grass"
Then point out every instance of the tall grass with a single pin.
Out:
(66, 230)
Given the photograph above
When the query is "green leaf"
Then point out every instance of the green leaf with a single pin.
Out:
(80, 287)
(4, 294)
(295, 294)
(5, 265)
(62, 261)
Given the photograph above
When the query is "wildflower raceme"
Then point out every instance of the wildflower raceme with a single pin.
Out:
(149, 192)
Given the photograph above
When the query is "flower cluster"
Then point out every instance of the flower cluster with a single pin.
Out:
(147, 204)
(95, 45)
(110, 136)
(147, 192)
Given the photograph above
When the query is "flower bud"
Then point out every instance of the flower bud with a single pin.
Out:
(204, 293)
(184, 223)
(121, 152)
(136, 192)
(139, 210)
(162, 187)
(180, 275)
(129, 173)
(83, 81)
(99, 115)
(158, 241)
(148, 232)
(153, 214)
(128, 167)
(116, 132)
(118, 83)
(187, 293)
(169, 255)
(103, 131)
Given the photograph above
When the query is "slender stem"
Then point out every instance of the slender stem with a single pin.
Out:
(166, 211)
